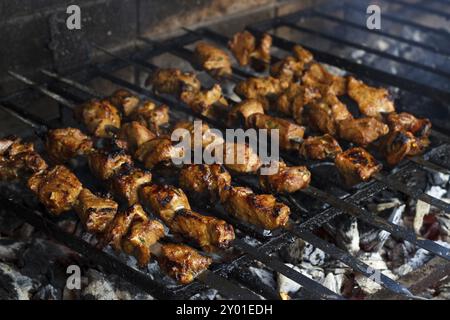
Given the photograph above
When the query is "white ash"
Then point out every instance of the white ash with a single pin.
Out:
(378, 207)
(347, 235)
(209, 294)
(422, 209)
(251, 241)
(264, 275)
(420, 258)
(313, 255)
(10, 249)
(286, 286)
(444, 226)
(376, 262)
(98, 287)
(47, 292)
(383, 235)
(334, 282)
(438, 178)
(14, 285)
(436, 191)
(293, 252)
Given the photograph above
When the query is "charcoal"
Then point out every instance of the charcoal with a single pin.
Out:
(347, 234)
(98, 287)
(14, 285)
(47, 292)
(10, 249)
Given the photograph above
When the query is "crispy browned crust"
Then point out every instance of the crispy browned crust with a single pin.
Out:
(125, 101)
(126, 184)
(173, 81)
(57, 188)
(67, 143)
(286, 179)
(95, 212)
(212, 59)
(372, 101)
(100, 117)
(135, 134)
(182, 263)
(356, 165)
(362, 131)
(320, 147)
(106, 163)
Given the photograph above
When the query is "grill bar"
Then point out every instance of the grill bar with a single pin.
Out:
(421, 8)
(383, 54)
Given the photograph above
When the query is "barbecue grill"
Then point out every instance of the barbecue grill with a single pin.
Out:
(424, 79)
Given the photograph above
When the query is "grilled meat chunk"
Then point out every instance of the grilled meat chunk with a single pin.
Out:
(100, 117)
(239, 157)
(397, 145)
(362, 131)
(158, 151)
(262, 210)
(239, 114)
(164, 200)
(294, 98)
(264, 89)
(318, 77)
(67, 143)
(420, 128)
(207, 135)
(290, 134)
(286, 179)
(18, 159)
(372, 101)
(121, 224)
(173, 81)
(126, 184)
(95, 212)
(320, 147)
(204, 182)
(125, 101)
(135, 134)
(141, 236)
(151, 116)
(247, 51)
(324, 115)
(356, 165)
(106, 163)
(181, 262)
(209, 233)
(291, 68)
(206, 101)
(212, 59)
(57, 188)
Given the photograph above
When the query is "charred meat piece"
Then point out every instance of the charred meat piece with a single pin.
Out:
(158, 151)
(100, 117)
(125, 101)
(151, 116)
(325, 114)
(121, 224)
(212, 59)
(209, 233)
(141, 236)
(191, 129)
(182, 263)
(126, 184)
(57, 188)
(372, 101)
(399, 144)
(318, 77)
(18, 159)
(356, 165)
(262, 210)
(106, 163)
(320, 147)
(264, 89)
(247, 51)
(164, 200)
(204, 182)
(239, 157)
(286, 179)
(420, 128)
(173, 81)
(135, 134)
(239, 114)
(95, 212)
(290, 134)
(294, 98)
(67, 143)
(204, 102)
(362, 131)
(291, 68)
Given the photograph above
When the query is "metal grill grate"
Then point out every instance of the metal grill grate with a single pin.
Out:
(70, 90)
